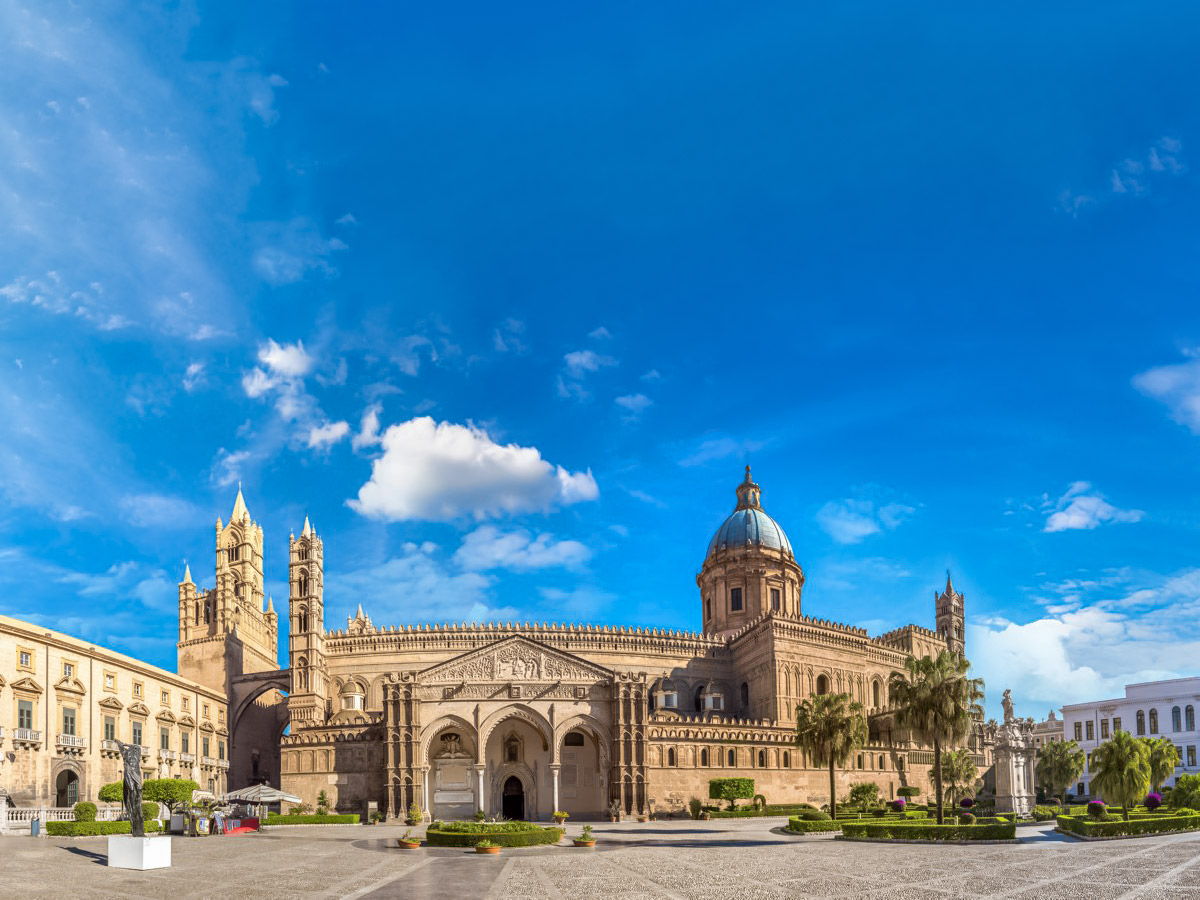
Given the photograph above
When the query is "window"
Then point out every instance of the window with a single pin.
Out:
(220, 749)
(671, 756)
(205, 746)
(859, 761)
(68, 720)
(1154, 721)
(164, 738)
(186, 703)
(234, 553)
(745, 695)
(1079, 731)
(762, 759)
(1191, 757)
(704, 757)
(25, 659)
(212, 785)
(876, 691)
(700, 698)
(787, 759)
(110, 728)
(735, 599)
(822, 684)
(68, 669)
(204, 710)
(166, 698)
(1103, 729)
(881, 765)
(1189, 718)
(137, 689)
(185, 742)
(731, 759)
(714, 701)
(512, 750)
(1116, 724)
(303, 585)
(573, 739)
(1141, 722)
(220, 715)
(1091, 730)
(25, 714)
(137, 732)
(707, 608)
(774, 599)
(1176, 719)
(110, 681)
(1079, 792)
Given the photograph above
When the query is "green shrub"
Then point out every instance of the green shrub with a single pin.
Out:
(149, 810)
(730, 789)
(745, 812)
(85, 811)
(325, 819)
(808, 826)
(504, 834)
(110, 793)
(814, 815)
(1044, 814)
(921, 831)
(908, 791)
(1186, 793)
(966, 818)
(759, 801)
(91, 829)
(694, 807)
(1118, 827)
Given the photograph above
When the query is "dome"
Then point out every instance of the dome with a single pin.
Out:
(748, 525)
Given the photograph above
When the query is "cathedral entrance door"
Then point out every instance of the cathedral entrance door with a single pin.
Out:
(513, 806)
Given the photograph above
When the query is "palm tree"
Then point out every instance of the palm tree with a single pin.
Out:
(1164, 757)
(958, 774)
(1059, 763)
(829, 727)
(938, 703)
(1122, 768)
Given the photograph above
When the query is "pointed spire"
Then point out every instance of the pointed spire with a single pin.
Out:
(239, 507)
(270, 604)
(187, 574)
(949, 584)
(307, 530)
(360, 612)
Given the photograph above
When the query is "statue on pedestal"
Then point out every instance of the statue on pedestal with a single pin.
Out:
(1016, 762)
(131, 787)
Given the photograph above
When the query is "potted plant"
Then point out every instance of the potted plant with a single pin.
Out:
(414, 814)
(487, 847)
(560, 816)
(409, 841)
(586, 838)
(614, 811)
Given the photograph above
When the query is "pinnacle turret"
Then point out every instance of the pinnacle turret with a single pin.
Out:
(239, 507)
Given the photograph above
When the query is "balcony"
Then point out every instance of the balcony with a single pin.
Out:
(187, 759)
(26, 736)
(208, 762)
(222, 764)
(109, 748)
(166, 755)
(145, 751)
(69, 742)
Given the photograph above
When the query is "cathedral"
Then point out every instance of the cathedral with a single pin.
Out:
(521, 720)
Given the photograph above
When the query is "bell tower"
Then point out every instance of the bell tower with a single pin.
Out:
(951, 617)
(306, 633)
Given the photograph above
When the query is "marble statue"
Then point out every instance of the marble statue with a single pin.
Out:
(131, 787)
(1015, 761)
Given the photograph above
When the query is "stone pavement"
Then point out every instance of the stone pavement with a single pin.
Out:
(681, 860)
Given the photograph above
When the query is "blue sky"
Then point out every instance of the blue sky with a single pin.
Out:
(504, 299)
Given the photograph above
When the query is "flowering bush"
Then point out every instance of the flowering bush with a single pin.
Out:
(966, 818)
(1153, 801)
(1096, 809)
(898, 804)
(966, 802)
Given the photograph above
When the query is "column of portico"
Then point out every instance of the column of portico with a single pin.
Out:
(425, 791)
(479, 797)
(554, 767)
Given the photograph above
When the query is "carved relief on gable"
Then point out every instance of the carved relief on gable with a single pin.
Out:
(515, 660)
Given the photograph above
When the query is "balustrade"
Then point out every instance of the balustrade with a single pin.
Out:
(27, 735)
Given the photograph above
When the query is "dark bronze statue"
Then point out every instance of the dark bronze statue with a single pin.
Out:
(131, 787)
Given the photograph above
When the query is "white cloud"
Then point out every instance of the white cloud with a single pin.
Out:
(443, 471)
(158, 511)
(322, 437)
(487, 547)
(229, 466)
(1082, 508)
(508, 337)
(347, 219)
(289, 251)
(193, 377)
(652, 375)
(1178, 388)
(368, 433)
(406, 352)
(580, 362)
(850, 521)
(1131, 177)
(634, 404)
(600, 334)
(288, 360)
(713, 449)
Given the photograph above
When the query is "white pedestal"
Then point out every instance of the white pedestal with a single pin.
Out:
(128, 852)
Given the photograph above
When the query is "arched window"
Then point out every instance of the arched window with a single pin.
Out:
(512, 750)
(302, 618)
(303, 584)
(197, 612)
(1176, 719)
(700, 699)
(573, 739)
(731, 759)
(707, 608)
(302, 673)
(671, 756)
(1154, 721)
(860, 761)
(704, 757)
(881, 765)
(745, 696)
(303, 554)
(787, 760)
(762, 759)
(822, 684)
(1141, 722)
(876, 692)
(1189, 718)
(239, 590)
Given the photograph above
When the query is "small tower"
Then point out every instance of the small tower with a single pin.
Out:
(306, 635)
(951, 618)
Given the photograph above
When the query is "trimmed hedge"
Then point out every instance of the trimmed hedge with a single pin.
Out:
(920, 831)
(468, 834)
(808, 826)
(1086, 826)
(274, 819)
(91, 829)
(85, 811)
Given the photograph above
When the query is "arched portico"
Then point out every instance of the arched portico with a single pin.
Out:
(448, 751)
(517, 743)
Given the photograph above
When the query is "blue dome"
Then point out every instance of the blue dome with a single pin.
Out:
(748, 525)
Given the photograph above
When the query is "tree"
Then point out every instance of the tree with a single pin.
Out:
(865, 794)
(829, 727)
(958, 774)
(730, 789)
(1059, 763)
(176, 793)
(1164, 757)
(111, 793)
(1122, 767)
(1186, 793)
(938, 703)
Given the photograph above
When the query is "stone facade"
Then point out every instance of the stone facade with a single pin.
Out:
(523, 719)
(65, 702)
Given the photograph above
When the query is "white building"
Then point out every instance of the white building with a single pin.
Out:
(1153, 709)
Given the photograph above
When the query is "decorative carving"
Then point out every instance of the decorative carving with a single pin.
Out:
(516, 659)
